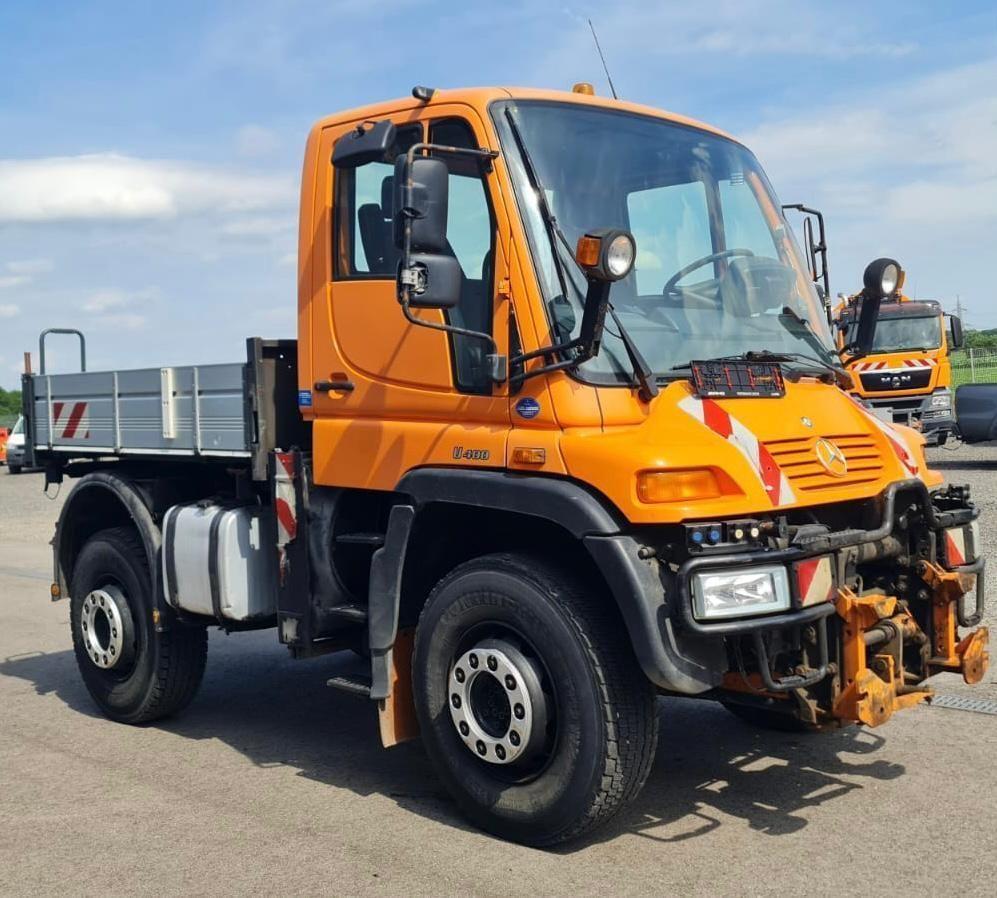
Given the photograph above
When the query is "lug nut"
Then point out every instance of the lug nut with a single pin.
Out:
(510, 682)
(519, 711)
(464, 728)
(473, 661)
(455, 700)
(514, 737)
(481, 748)
(500, 752)
(492, 662)
(459, 675)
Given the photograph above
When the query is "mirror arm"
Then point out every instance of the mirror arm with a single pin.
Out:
(817, 249)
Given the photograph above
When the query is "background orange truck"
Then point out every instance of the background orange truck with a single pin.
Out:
(907, 375)
(563, 428)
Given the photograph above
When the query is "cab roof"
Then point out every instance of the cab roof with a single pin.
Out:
(481, 97)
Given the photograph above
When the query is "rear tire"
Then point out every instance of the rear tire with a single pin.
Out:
(14, 469)
(149, 674)
(590, 728)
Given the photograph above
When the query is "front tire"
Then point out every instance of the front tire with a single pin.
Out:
(531, 704)
(134, 673)
(14, 469)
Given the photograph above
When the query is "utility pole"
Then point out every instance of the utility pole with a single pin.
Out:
(958, 305)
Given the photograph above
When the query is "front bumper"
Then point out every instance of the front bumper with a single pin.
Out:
(918, 413)
(15, 456)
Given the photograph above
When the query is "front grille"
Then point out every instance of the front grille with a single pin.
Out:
(807, 475)
(909, 379)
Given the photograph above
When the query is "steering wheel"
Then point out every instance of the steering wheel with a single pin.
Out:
(669, 288)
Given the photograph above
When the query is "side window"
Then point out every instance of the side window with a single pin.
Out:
(471, 239)
(363, 243)
(671, 225)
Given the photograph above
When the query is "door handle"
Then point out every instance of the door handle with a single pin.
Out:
(337, 386)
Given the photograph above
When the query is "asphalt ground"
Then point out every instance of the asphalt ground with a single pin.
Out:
(272, 783)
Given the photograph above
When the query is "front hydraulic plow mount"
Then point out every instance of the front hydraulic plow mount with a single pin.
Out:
(872, 676)
(878, 636)
(969, 655)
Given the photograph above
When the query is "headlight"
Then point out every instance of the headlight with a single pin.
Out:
(620, 255)
(717, 595)
(941, 400)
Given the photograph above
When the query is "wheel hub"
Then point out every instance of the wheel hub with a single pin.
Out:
(104, 618)
(496, 702)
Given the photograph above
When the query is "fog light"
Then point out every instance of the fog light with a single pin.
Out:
(741, 592)
(941, 400)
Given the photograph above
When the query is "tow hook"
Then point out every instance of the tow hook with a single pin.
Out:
(873, 688)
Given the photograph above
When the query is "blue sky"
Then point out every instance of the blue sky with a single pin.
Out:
(149, 153)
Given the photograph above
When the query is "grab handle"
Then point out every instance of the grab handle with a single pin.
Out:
(61, 330)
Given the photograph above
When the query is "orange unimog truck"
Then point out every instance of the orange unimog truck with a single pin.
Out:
(906, 377)
(563, 428)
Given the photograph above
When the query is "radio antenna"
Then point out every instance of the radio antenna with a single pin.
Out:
(605, 67)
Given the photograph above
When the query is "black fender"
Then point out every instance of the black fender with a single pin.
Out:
(121, 501)
(643, 589)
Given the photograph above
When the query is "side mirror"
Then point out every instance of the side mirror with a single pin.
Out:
(434, 281)
(429, 275)
(363, 144)
(421, 190)
(957, 338)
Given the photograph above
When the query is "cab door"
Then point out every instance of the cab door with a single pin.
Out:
(387, 395)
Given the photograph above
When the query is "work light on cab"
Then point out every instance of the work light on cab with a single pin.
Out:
(607, 254)
(883, 277)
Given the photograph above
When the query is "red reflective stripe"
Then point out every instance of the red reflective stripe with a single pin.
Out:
(74, 420)
(57, 411)
(716, 418)
(805, 573)
(955, 556)
(771, 475)
(286, 518)
(286, 462)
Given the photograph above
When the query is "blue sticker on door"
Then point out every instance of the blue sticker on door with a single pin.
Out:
(527, 407)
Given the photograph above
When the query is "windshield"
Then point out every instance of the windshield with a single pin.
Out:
(716, 266)
(18, 427)
(895, 334)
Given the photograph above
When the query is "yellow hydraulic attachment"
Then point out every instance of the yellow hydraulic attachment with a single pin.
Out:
(876, 632)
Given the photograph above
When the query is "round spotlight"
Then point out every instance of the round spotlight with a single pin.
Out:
(882, 277)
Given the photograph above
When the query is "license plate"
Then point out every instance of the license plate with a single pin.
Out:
(747, 380)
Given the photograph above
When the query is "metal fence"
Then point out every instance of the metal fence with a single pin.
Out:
(974, 366)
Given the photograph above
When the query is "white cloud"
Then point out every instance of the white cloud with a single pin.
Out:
(9, 310)
(29, 266)
(103, 301)
(108, 186)
(288, 260)
(13, 280)
(254, 141)
(258, 226)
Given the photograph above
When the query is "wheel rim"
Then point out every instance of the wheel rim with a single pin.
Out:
(497, 705)
(105, 627)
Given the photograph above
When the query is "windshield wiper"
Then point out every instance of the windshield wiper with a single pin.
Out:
(841, 376)
(643, 376)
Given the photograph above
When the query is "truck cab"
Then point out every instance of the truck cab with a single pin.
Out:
(563, 428)
(907, 375)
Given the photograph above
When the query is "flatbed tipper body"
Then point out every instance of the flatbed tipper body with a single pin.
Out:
(226, 412)
(528, 476)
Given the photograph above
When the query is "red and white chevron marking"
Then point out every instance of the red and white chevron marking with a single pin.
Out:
(725, 425)
(71, 421)
(907, 365)
(284, 500)
(899, 443)
(814, 580)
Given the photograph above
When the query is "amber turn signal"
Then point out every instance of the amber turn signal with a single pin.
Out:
(523, 455)
(588, 250)
(677, 486)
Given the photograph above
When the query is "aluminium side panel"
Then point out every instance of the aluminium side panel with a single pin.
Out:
(181, 410)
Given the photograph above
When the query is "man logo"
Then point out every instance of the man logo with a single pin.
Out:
(831, 458)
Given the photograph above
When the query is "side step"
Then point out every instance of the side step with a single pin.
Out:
(352, 683)
(375, 540)
(354, 614)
